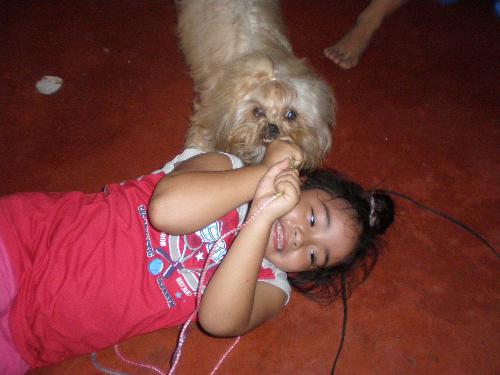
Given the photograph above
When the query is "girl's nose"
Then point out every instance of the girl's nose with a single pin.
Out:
(299, 239)
(295, 238)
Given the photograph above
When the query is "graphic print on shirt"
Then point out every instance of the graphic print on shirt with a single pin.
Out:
(182, 258)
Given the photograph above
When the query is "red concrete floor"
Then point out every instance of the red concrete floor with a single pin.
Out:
(419, 115)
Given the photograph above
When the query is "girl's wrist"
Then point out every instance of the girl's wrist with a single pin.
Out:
(260, 169)
(261, 212)
(260, 224)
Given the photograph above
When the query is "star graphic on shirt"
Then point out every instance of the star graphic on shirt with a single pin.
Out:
(178, 294)
(199, 256)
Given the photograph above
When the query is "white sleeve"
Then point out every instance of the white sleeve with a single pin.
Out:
(280, 279)
(186, 154)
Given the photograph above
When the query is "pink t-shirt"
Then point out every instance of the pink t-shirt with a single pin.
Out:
(92, 271)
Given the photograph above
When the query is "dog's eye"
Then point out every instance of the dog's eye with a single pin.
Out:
(290, 115)
(258, 112)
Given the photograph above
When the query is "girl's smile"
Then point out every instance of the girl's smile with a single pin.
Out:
(279, 236)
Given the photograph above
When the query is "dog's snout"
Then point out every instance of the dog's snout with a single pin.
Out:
(273, 131)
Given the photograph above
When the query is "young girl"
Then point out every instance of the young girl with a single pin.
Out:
(85, 271)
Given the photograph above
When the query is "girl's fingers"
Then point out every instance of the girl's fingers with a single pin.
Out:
(289, 192)
(291, 175)
(267, 184)
(279, 179)
(287, 179)
(294, 152)
(278, 168)
(296, 159)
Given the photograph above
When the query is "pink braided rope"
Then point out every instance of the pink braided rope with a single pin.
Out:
(182, 335)
(214, 370)
(138, 364)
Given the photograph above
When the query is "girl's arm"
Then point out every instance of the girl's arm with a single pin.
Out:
(234, 302)
(205, 188)
(202, 190)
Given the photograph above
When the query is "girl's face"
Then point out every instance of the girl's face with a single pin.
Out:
(319, 232)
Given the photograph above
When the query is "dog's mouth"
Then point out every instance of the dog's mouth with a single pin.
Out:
(270, 133)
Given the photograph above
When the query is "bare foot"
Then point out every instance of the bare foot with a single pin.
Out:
(348, 50)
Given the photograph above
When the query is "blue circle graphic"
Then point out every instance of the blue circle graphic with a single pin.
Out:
(155, 266)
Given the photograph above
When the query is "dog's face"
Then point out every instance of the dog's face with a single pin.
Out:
(256, 103)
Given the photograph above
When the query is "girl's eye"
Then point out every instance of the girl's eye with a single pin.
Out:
(290, 115)
(312, 256)
(312, 220)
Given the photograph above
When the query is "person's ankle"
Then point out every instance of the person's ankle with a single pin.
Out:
(370, 20)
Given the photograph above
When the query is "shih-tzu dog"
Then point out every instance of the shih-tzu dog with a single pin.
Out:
(250, 87)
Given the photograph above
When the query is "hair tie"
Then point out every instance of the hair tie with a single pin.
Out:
(372, 219)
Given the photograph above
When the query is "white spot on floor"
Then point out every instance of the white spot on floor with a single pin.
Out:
(49, 85)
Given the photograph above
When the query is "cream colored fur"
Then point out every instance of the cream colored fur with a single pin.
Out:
(246, 77)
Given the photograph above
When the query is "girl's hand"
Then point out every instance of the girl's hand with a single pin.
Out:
(280, 149)
(280, 179)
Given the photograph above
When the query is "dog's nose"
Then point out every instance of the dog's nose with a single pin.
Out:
(273, 131)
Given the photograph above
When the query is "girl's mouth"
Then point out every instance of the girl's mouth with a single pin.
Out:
(279, 236)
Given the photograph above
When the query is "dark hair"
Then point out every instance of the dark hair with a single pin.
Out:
(373, 211)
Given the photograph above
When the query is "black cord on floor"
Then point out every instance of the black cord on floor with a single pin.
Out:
(426, 208)
(344, 323)
(447, 217)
